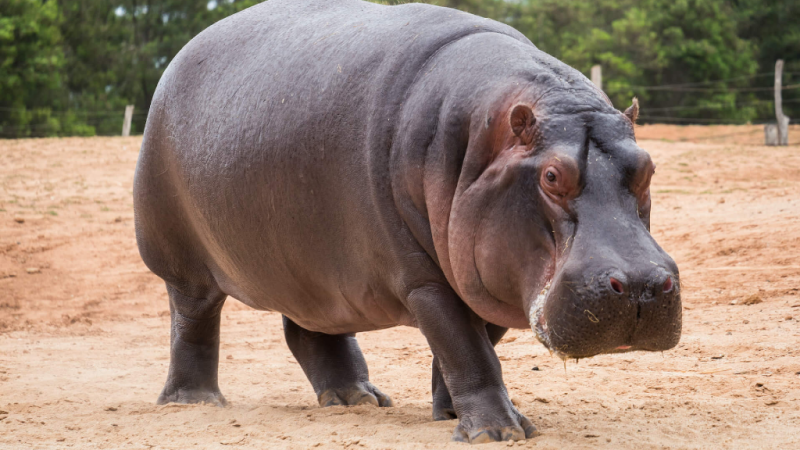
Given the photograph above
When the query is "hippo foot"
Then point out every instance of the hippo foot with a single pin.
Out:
(443, 409)
(362, 393)
(444, 413)
(481, 433)
(187, 396)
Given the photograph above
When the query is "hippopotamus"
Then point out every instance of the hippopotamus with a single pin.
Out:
(356, 166)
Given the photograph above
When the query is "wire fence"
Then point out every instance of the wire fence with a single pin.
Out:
(67, 120)
(675, 114)
(693, 113)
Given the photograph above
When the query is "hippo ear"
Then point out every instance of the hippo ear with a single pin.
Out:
(522, 121)
(633, 111)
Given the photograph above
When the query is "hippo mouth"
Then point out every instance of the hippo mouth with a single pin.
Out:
(544, 333)
(538, 321)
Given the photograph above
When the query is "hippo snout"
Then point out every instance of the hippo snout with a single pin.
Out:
(613, 310)
(657, 284)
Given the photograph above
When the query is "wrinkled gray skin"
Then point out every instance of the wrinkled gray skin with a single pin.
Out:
(357, 167)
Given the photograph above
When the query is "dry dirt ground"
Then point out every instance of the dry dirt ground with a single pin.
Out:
(84, 326)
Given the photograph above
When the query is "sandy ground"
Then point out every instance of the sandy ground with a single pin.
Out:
(712, 134)
(84, 326)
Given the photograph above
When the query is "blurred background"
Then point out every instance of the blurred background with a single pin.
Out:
(69, 67)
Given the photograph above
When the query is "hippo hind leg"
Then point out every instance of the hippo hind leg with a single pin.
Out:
(334, 365)
(442, 403)
(194, 349)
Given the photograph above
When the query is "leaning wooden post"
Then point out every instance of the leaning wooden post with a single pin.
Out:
(597, 76)
(783, 121)
(126, 123)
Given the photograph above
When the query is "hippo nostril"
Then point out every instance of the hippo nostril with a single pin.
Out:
(668, 284)
(616, 285)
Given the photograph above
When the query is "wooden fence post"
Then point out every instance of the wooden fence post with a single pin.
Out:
(783, 121)
(126, 124)
(778, 134)
(771, 134)
(597, 76)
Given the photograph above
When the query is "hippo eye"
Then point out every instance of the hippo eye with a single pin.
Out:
(559, 180)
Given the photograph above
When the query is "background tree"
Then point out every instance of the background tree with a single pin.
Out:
(95, 44)
(118, 50)
(68, 67)
(32, 92)
(649, 43)
(773, 27)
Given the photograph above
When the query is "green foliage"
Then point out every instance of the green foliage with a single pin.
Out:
(119, 49)
(648, 43)
(69, 67)
(30, 62)
(155, 32)
(773, 26)
(96, 69)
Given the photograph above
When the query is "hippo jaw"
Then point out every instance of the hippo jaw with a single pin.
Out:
(541, 331)
(657, 329)
(537, 320)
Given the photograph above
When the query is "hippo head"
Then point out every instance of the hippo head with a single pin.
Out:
(551, 218)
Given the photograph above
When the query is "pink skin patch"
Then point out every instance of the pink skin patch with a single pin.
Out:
(668, 284)
(617, 286)
(623, 347)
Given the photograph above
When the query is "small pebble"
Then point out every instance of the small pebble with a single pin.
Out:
(19, 220)
(535, 368)
(33, 270)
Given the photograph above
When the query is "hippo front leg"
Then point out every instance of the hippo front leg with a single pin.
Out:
(442, 403)
(469, 366)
